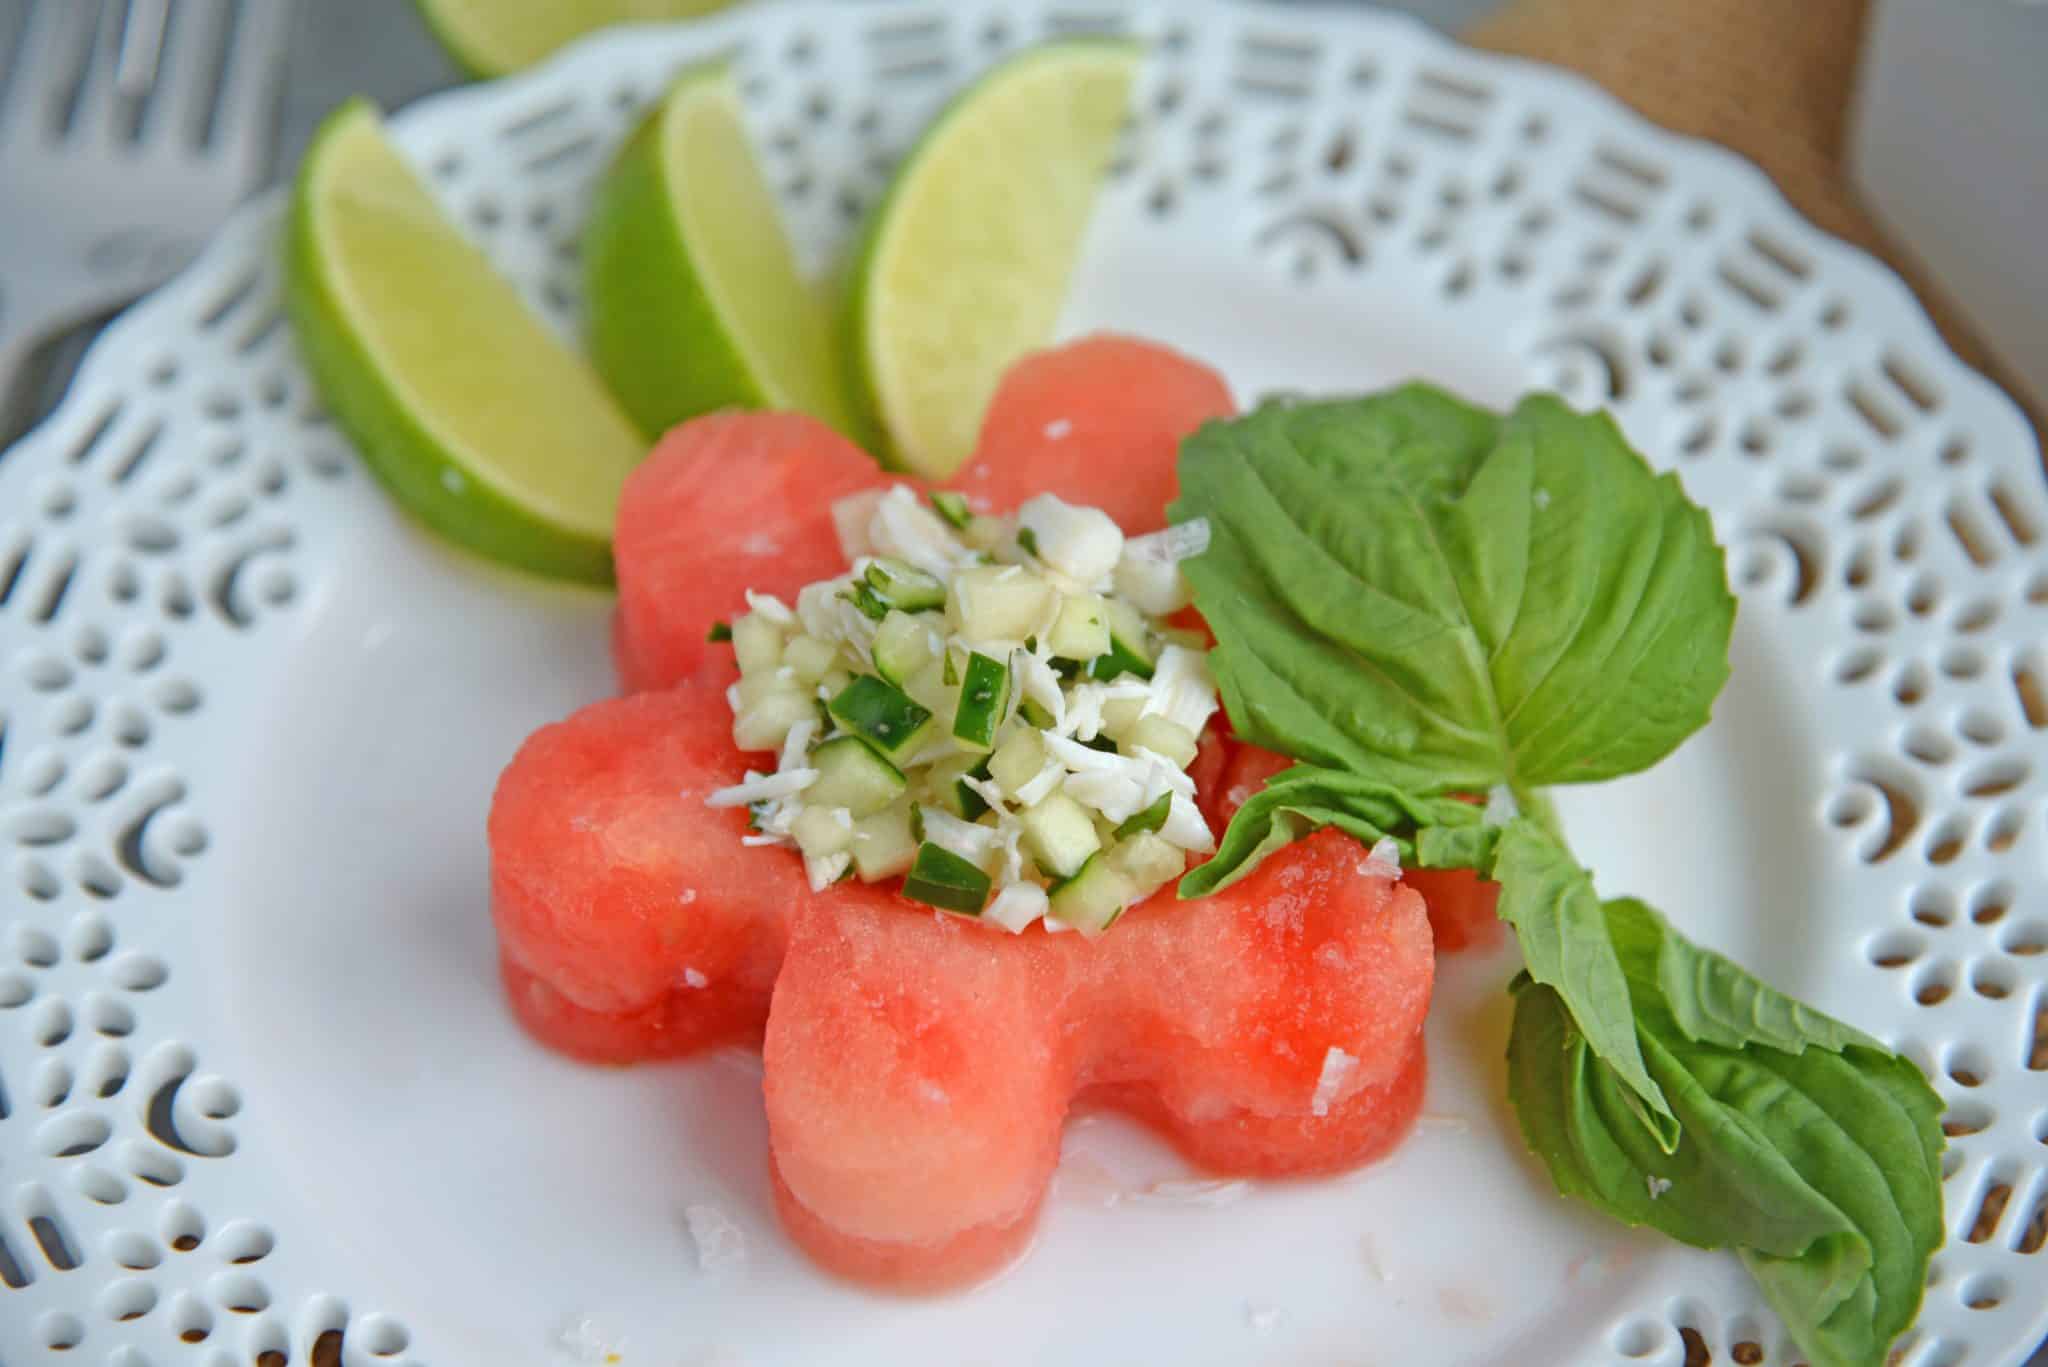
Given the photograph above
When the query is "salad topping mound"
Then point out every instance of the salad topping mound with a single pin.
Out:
(993, 709)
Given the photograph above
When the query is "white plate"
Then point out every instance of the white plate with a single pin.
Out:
(253, 718)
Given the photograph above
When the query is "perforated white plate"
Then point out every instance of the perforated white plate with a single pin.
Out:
(258, 1083)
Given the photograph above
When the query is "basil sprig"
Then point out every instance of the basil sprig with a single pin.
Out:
(1423, 601)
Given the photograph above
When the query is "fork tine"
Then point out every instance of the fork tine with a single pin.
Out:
(244, 119)
(13, 36)
(93, 99)
(188, 71)
(44, 68)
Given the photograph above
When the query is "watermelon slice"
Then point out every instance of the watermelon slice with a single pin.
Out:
(918, 1069)
(725, 503)
(627, 926)
(1099, 422)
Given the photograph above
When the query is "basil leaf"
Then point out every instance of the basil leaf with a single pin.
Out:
(1410, 586)
(1807, 1148)
(1549, 900)
(1303, 798)
(1714, 1000)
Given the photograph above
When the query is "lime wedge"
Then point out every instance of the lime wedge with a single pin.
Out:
(695, 300)
(479, 420)
(492, 37)
(967, 258)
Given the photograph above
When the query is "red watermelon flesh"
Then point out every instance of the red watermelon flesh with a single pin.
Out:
(1097, 421)
(919, 1069)
(1462, 907)
(725, 503)
(1461, 903)
(631, 923)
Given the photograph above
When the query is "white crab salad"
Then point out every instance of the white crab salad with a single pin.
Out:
(991, 710)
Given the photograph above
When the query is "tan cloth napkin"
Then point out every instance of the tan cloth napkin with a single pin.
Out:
(1771, 79)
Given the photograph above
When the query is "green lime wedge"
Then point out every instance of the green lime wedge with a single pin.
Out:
(695, 300)
(492, 37)
(967, 258)
(476, 416)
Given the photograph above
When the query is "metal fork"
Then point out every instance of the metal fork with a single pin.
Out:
(129, 129)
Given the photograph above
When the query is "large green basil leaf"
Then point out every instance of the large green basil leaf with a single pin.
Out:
(1804, 1146)
(1411, 587)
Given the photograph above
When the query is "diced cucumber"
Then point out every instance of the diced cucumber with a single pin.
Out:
(985, 533)
(1017, 760)
(940, 878)
(947, 789)
(1034, 715)
(764, 723)
(1149, 819)
(883, 715)
(1163, 737)
(1131, 649)
(754, 687)
(1027, 541)
(834, 681)
(1093, 898)
(929, 687)
(1119, 715)
(720, 631)
(1147, 862)
(820, 830)
(1081, 631)
(902, 646)
(868, 601)
(757, 644)
(853, 776)
(905, 586)
(998, 603)
(984, 700)
(1060, 834)
(953, 508)
(882, 844)
(809, 658)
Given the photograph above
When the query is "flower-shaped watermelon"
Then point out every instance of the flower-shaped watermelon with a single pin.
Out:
(918, 1068)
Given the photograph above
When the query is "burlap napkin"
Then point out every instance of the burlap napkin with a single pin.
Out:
(1770, 79)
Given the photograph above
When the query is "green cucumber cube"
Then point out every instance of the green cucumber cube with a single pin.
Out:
(1081, 631)
(940, 878)
(984, 699)
(853, 776)
(883, 715)
(1060, 835)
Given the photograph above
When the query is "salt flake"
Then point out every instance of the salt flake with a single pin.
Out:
(1263, 1319)
(582, 1339)
(1501, 807)
(720, 1243)
(1541, 499)
(692, 978)
(1058, 428)
(1657, 1185)
(1384, 861)
(1337, 1066)
(1194, 1193)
